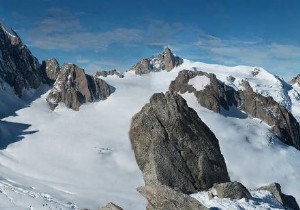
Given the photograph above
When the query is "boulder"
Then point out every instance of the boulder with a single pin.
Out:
(287, 201)
(173, 147)
(73, 87)
(111, 206)
(161, 197)
(233, 190)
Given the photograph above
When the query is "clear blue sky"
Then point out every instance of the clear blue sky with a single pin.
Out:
(105, 34)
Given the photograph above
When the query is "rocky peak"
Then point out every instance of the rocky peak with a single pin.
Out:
(50, 70)
(104, 73)
(73, 87)
(164, 61)
(18, 67)
(173, 147)
(295, 80)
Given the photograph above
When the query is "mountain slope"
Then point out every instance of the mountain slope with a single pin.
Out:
(85, 157)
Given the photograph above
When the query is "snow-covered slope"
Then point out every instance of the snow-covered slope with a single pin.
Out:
(84, 159)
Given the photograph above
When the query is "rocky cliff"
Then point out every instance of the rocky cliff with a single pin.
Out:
(73, 87)
(216, 95)
(165, 61)
(18, 67)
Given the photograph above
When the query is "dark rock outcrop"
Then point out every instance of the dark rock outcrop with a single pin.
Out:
(287, 201)
(217, 95)
(109, 73)
(171, 61)
(283, 123)
(173, 147)
(295, 80)
(50, 70)
(165, 61)
(73, 87)
(111, 206)
(18, 67)
(233, 190)
(164, 198)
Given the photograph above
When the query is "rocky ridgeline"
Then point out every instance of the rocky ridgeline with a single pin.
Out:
(165, 61)
(18, 67)
(178, 155)
(73, 87)
(217, 95)
(113, 72)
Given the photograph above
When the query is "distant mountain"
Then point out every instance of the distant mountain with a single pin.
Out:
(164, 61)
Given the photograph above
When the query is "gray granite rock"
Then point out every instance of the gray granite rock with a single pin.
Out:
(161, 197)
(287, 201)
(233, 190)
(174, 147)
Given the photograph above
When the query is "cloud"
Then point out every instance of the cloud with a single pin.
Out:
(275, 57)
(61, 30)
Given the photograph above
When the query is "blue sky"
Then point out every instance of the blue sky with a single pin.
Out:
(106, 34)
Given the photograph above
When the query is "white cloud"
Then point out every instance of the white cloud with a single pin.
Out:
(279, 58)
(61, 30)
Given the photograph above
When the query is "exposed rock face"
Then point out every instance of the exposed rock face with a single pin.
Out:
(109, 73)
(111, 206)
(286, 200)
(50, 71)
(173, 147)
(283, 123)
(217, 95)
(73, 87)
(171, 61)
(295, 80)
(165, 61)
(18, 67)
(233, 190)
(164, 198)
(213, 97)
